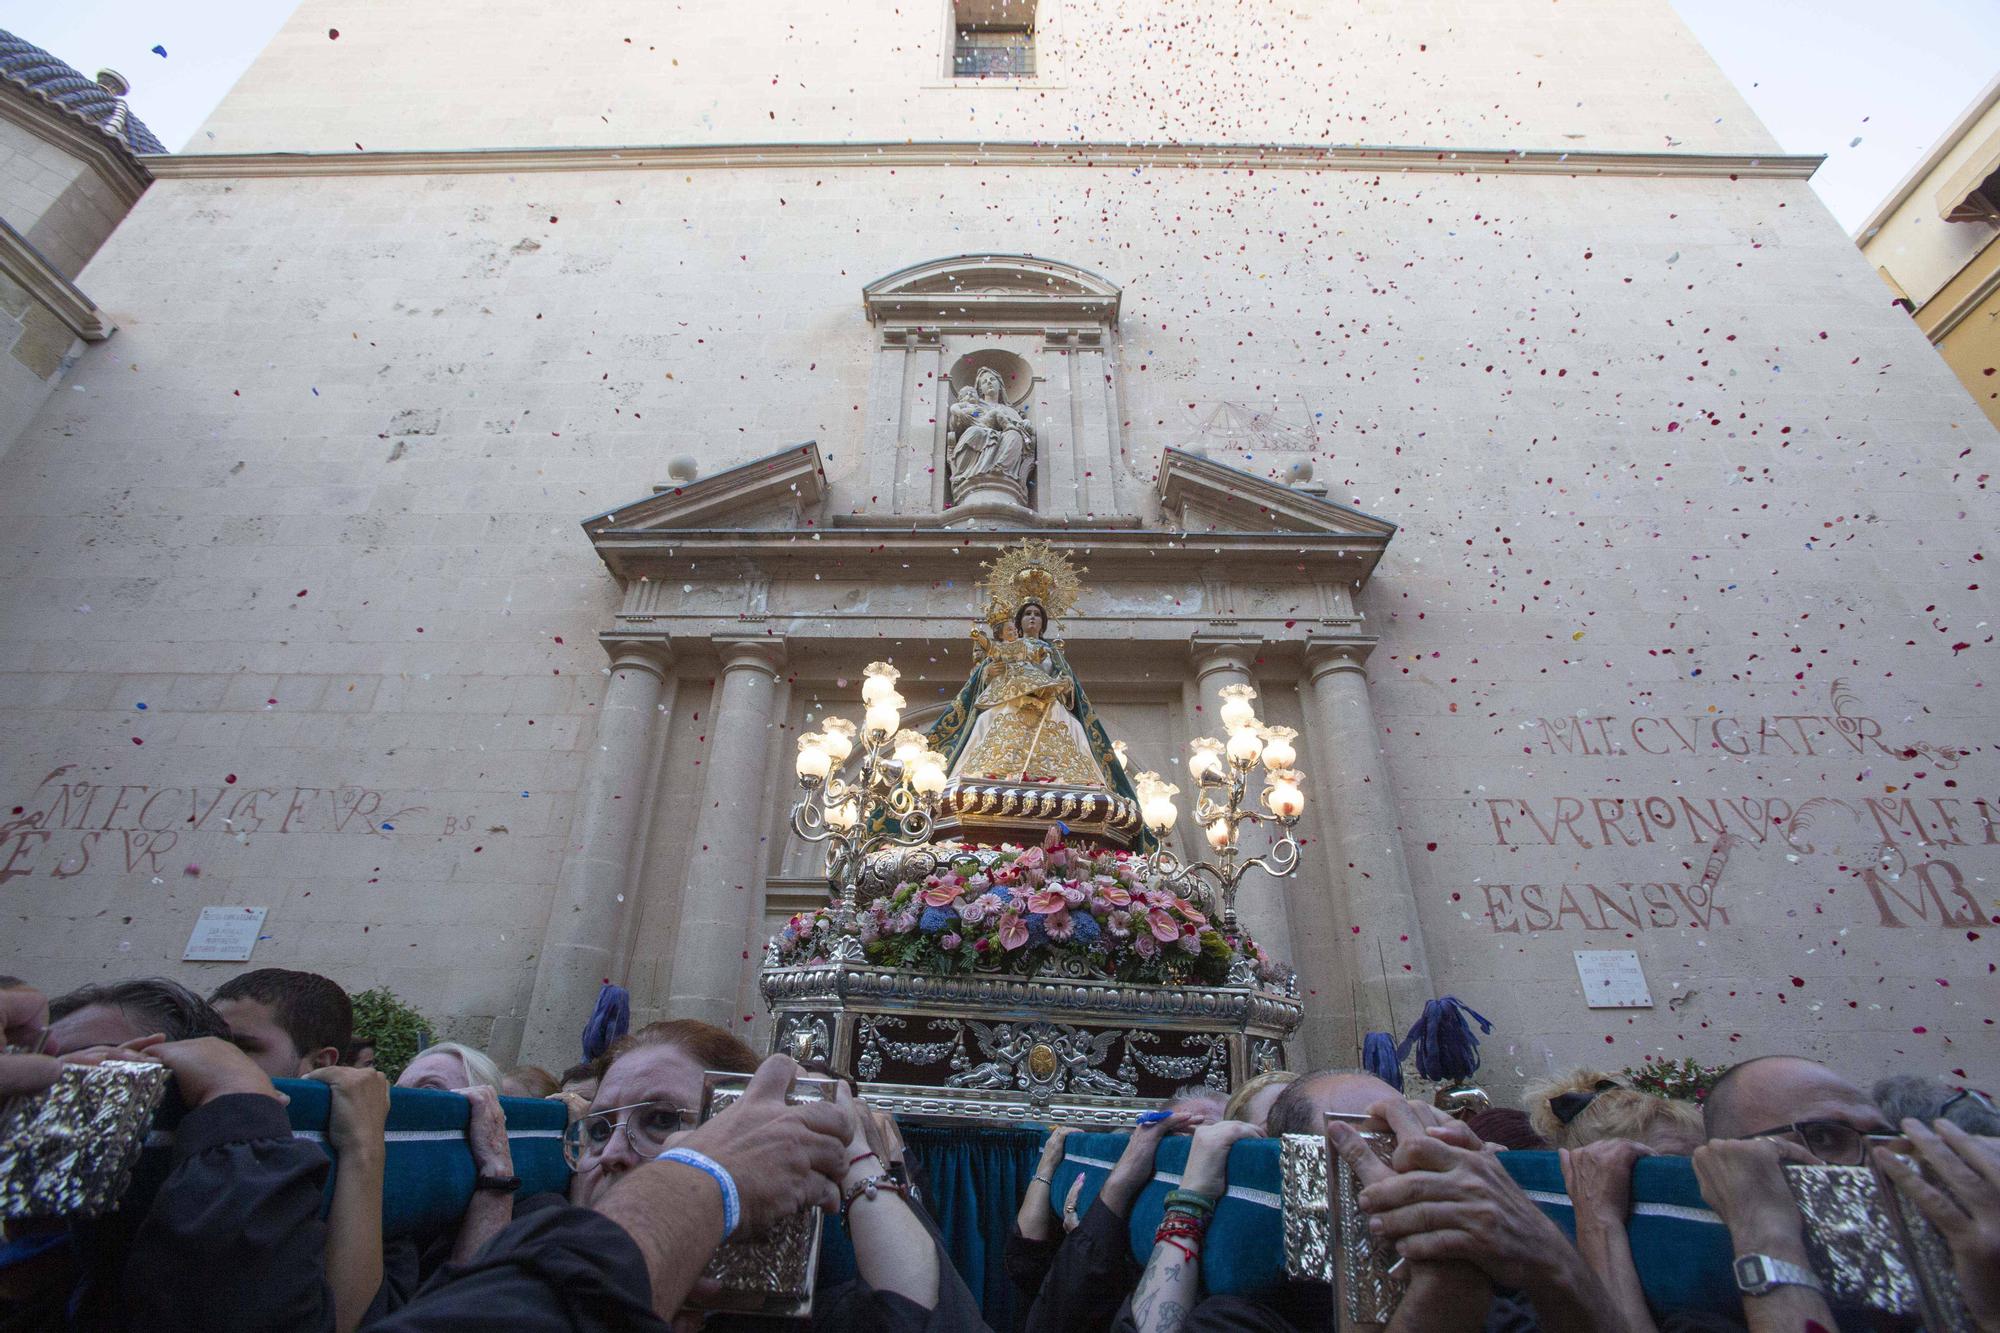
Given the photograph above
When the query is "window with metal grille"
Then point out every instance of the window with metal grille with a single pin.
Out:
(993, 39)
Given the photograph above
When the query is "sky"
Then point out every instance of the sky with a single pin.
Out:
(1869, 83)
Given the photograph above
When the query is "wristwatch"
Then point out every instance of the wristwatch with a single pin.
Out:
(1757, 1274)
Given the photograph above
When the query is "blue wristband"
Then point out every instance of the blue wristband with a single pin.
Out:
(732, 1206)
(1153, 1117)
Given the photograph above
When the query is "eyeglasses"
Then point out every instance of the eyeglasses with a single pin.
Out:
(647, 1128)
(1978, 1098)
(1834, 1142)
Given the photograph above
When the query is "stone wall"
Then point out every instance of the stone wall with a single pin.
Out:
(1600, 74)
(298, 612)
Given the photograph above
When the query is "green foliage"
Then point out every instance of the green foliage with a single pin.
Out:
(396, 1031)
(1687, 1081)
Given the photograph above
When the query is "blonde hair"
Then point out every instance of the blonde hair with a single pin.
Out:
(1239, 1100)
(1661, 1123)
(479, 1067)
(1620, 1112)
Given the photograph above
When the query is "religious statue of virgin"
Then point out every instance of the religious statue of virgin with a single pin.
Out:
(1022, 716)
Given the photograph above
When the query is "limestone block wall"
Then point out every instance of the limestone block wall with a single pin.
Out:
(1596, 74)
(63, 206)
(1683, 639)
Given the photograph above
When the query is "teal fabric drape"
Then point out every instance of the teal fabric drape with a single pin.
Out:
(977, 1179)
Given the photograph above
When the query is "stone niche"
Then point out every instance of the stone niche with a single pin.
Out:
(1033, 440)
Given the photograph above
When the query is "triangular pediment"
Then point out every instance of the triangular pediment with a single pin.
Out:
(780, 490)
(990, 289)
(1198, 494)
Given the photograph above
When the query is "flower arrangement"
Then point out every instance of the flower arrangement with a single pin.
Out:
(1686, 1081)
(1026, 910)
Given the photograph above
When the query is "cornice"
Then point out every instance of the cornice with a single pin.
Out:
(121, 170)
(1929, 163)
(861, 551)
(1225, 157)
(28, 266)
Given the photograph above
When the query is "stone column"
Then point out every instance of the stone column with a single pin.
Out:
(723, 898)
(583, 941)
(1260, 900)
(1387, 962)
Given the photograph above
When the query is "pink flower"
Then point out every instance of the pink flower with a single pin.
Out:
(1013, 931)
(1146, 947)
(1059, 925)
(1111, 893)
(1190, 943)
(1048, 900)
(949, 940)
(943, 894)
(1029, 860)
(1165, 928)
(1119, 923)
(1189, 913)
(1073, 893)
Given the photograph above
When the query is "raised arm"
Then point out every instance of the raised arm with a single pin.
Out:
(359, 1112)
(1171, 1284)
(1599, 1180)
(1743, 1181)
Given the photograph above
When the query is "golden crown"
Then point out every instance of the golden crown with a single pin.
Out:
(1036, 572)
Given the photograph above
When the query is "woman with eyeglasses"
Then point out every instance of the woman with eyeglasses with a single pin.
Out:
(651, 1089)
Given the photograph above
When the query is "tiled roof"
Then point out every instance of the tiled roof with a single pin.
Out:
(29, 66)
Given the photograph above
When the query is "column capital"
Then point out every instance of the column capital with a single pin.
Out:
(764, 653)
(1326, 656)
(1213, 652)
(652, 656)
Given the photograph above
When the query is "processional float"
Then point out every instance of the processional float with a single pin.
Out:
(1008, 935)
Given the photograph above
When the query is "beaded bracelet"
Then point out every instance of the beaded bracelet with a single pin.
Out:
(1190, 1201)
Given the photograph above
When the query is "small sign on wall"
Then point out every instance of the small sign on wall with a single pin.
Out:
(225, 935)
(1612, 979)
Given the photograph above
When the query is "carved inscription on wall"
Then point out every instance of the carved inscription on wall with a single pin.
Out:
(68, 825)
(1884, 856)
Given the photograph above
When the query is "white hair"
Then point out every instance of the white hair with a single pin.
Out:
(479, 1066)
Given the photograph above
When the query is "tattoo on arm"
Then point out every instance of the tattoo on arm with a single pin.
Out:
(1166, 1291)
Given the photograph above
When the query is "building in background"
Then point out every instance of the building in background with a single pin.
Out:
(1933, 241)
(518, 432)
(69, 173)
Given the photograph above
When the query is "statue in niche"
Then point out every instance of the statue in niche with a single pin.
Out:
(989, 436)
(1022, 714)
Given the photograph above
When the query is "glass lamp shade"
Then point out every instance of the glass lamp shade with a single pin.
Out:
(927, 778)
(1204, 758)
(813, 760)
(883, 718)
(1244, 746)
(1284, 797)
(844, 815)
(1156, 801)
(1278, 750)
(1221, 835)
(907, 746)
(878, 683)
(1237, 712)
(838, 740)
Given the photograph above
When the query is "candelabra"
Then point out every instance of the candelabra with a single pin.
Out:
(889, 803)
(1222, 772)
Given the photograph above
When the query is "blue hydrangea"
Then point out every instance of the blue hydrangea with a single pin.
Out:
(936, 920)
(1087, 929)
(1038, 933)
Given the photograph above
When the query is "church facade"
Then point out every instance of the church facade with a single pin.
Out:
(518, 433)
